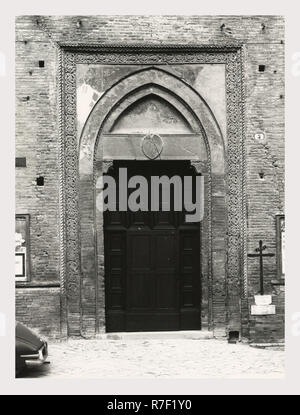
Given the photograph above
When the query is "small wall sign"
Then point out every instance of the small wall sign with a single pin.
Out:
(262, 310)
(259, 136)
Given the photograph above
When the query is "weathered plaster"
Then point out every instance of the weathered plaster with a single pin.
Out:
(151, 114)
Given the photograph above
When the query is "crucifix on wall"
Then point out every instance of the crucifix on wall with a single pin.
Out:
(261, 248)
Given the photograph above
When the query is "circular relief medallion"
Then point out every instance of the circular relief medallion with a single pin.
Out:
(152, 146)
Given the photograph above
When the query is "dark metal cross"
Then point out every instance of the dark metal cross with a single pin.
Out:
(260, 254)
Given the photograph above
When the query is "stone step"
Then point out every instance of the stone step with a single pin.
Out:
(280, 345)
(158, 335)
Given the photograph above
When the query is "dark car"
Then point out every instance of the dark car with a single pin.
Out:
(29, 346)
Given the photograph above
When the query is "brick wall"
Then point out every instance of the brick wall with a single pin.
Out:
(37, 126)
(265, 196)
(39, 309)
(270, 328)
(36, 139)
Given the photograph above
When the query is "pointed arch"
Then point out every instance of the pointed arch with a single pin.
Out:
(124, 93)
(137, 84)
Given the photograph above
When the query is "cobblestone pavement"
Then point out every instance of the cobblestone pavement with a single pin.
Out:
(153, 358)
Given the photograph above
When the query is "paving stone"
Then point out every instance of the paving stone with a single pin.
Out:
(170, 358)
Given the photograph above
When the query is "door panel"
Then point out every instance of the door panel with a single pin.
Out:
(139, 251)
(165, 251)
(152, 264)
(140, 291)
(166, 292)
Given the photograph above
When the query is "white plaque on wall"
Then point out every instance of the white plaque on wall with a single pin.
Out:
(262, 310)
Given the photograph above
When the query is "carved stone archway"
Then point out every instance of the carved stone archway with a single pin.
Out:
(84, 254)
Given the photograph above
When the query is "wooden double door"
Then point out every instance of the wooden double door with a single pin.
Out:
(152, 262)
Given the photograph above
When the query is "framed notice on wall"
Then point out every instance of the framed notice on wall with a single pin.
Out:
(22, 271)
(280, 245)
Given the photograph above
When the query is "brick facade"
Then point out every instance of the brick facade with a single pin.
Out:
(37, 138)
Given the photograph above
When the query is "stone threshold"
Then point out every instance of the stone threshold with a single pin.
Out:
(158, 335)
